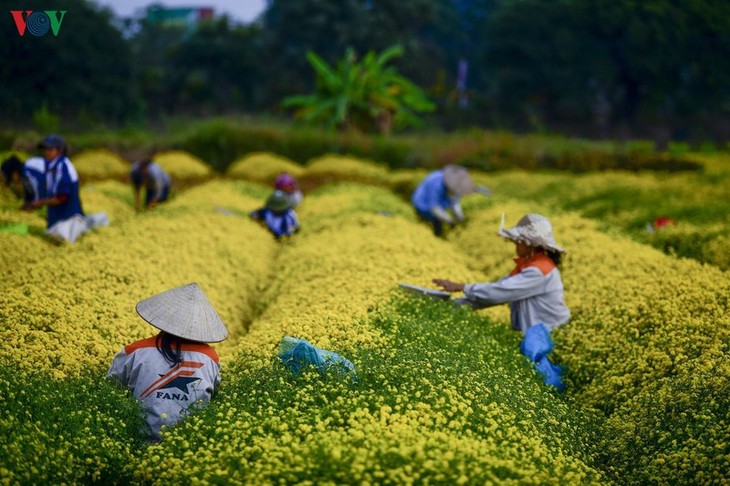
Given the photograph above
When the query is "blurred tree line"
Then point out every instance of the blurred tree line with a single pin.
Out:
(605, 68)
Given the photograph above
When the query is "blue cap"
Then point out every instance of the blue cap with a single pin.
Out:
(52, 141)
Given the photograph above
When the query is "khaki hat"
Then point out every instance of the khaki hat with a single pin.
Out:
(184, 312)
(534, 230)
(457, 180)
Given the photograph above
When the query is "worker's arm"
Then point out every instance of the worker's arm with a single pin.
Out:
(442, 214)
(458, 211)
(49, 201)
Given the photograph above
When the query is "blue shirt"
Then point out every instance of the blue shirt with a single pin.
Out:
(62, 180)
(280, 224)
(432, 192)
(34, 179)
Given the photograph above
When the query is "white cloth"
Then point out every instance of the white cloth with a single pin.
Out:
(533, 297)
(167, 392)
(68, 229)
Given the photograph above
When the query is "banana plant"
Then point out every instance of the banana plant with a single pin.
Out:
(367, 95)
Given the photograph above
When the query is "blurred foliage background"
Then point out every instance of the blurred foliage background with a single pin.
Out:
(620, 69)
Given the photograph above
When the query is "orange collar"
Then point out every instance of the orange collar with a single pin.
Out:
(539, 260)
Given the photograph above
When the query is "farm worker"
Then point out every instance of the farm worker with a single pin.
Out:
(31, 176)
(278, 215)
(438, 198)
(175, 370)
(533, 289)
(156, 182)
(65, 219)
(290, 187)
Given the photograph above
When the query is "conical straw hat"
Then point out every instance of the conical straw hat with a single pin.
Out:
(534, 230)
(184, 312)
(457, 180)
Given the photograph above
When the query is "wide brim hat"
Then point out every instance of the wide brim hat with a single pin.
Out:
(534, 230)
(278, 202)
(457, 180)
(184, 312)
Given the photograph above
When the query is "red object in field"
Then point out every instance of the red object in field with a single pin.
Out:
(663, 222)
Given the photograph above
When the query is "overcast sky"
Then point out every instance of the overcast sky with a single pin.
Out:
(239, 10)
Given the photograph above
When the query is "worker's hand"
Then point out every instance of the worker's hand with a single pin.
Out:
(448, 285)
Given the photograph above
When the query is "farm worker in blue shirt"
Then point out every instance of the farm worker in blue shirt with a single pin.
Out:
(278, 215)
(31, 175)
(438, 198)
(156, 182)
(62, 183)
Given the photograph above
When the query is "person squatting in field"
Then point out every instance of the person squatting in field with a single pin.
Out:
(533, 289)
(58, 190)
(437, 199)
(175, 370)
(278, 215)
(28, 178)
(155, 180)
(61, 183)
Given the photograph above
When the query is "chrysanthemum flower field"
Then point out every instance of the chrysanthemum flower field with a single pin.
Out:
(442, 396)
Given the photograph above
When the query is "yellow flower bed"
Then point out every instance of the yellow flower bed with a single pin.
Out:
(326, 285)
(72, 307)
(647, 332)
(263, 167)
(337, 167)
(182, 165)
(100, 164)
(23, 156)
(646, 346)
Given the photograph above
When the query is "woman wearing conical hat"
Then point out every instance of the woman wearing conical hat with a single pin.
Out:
(534, 288)
(176, 369)
(437, 199)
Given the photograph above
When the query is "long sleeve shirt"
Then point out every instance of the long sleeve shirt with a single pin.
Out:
(34, 179)
(432, 197)
(534, 291)
(167, 392)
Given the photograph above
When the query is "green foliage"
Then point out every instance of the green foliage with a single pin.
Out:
(436, 354)
(367, 95)
(87, 67)
(77, 430)
(222, 141)
(44, 121)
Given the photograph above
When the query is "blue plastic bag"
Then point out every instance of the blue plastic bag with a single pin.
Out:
(297, 354)
(552, 374)
(537, 342)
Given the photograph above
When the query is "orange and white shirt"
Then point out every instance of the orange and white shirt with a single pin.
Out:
(534, 291)
(166, 392)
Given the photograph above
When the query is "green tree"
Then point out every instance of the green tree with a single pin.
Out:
(656, 63)
(85, 70)
(291, 28)
(367, 95)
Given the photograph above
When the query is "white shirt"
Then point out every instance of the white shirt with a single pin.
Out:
(167, 392)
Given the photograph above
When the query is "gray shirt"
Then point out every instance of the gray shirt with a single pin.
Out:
(534, 297)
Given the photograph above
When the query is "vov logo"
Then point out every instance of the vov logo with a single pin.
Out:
(38, 22)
